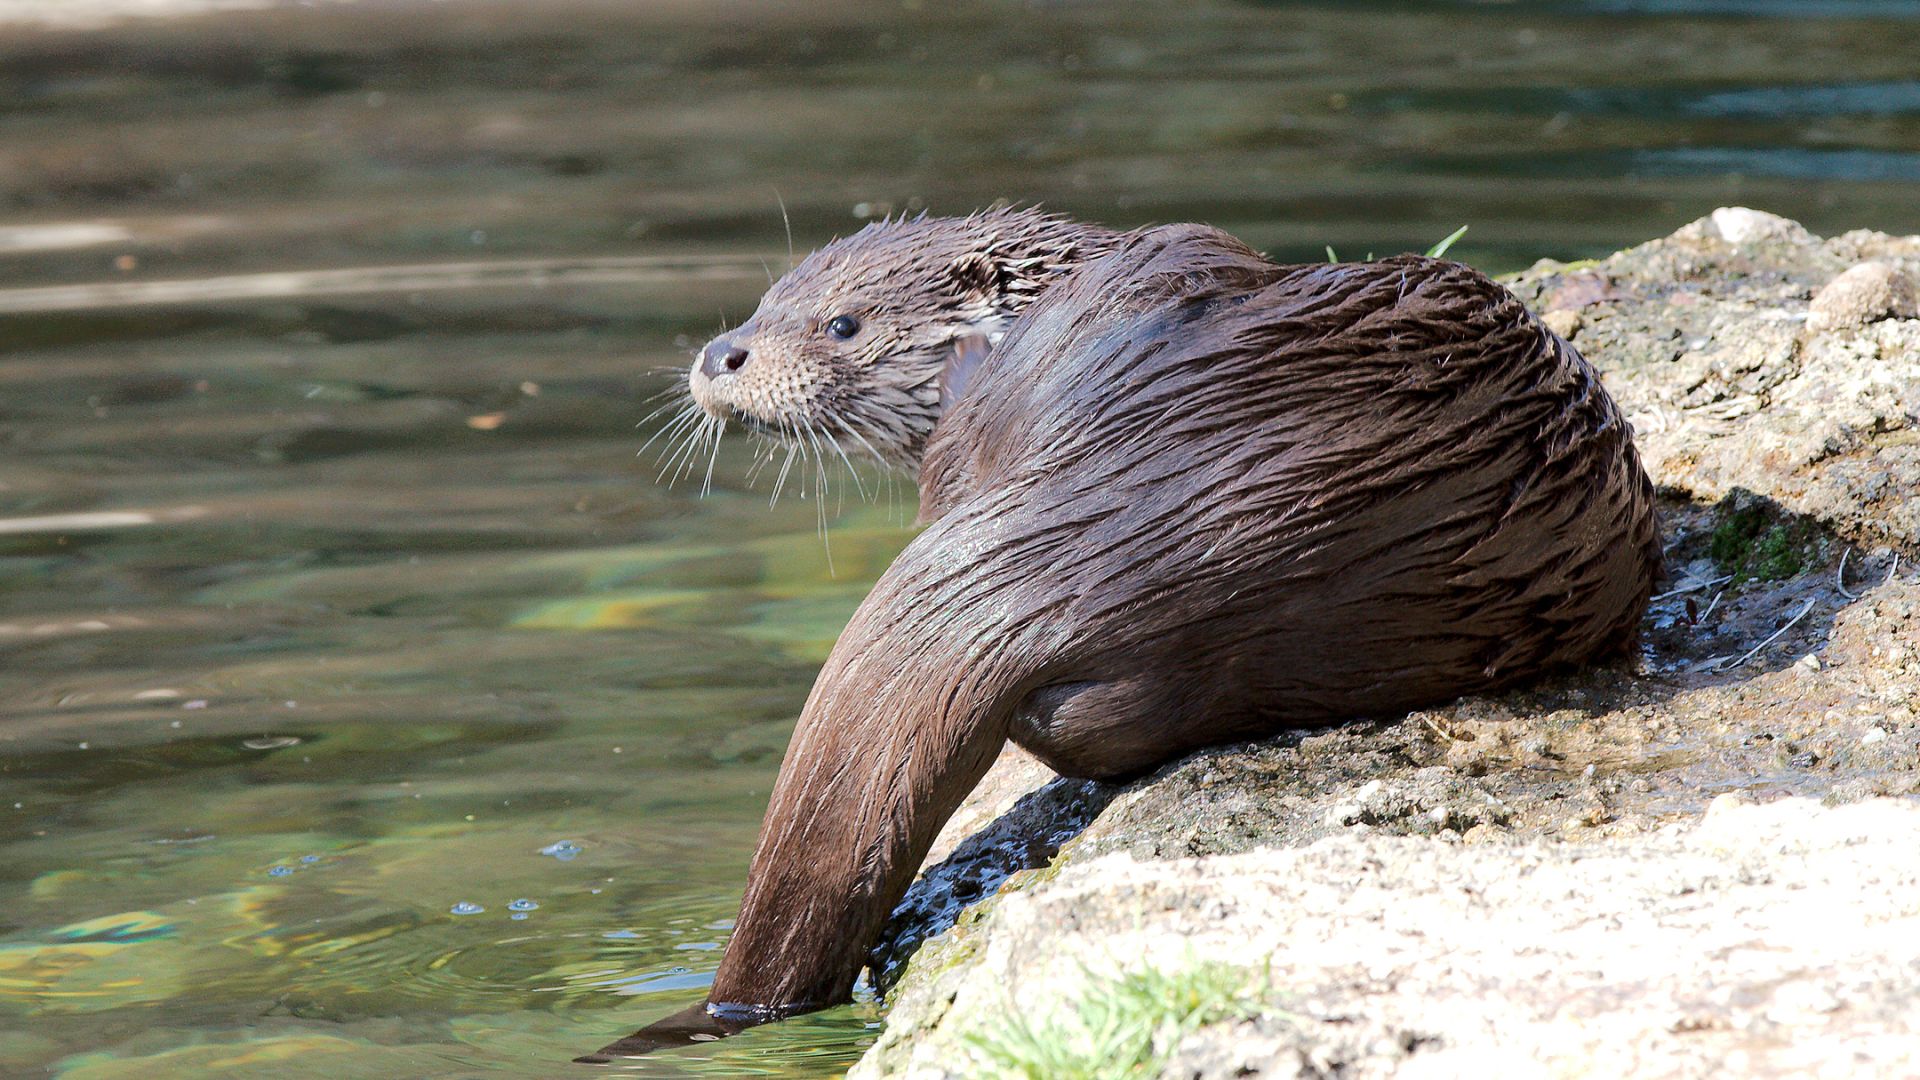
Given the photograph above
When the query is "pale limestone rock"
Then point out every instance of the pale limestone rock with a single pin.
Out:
(1866, 293)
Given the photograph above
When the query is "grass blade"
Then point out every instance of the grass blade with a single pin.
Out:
(1440, 249)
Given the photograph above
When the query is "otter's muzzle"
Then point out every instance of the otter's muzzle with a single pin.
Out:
(722, 357)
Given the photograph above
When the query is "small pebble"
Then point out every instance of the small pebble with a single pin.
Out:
(1741, 225)
(1864, 294)
(564, 850)
(1565, 322)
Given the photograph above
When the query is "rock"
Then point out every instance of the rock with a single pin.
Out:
(1787, 933)
(1741, 225)
(1563, 321)
(1711, 346)
(1866, 293)
(1544, 882)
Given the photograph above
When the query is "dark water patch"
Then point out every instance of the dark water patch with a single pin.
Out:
(1786, 163)
(1783, 163)
(1559, 9)
(1843, 99)
(1902, 10)
(1760, 103)
(362, 752)
(25, 332)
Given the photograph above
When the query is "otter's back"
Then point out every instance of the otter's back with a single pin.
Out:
(1299, 492)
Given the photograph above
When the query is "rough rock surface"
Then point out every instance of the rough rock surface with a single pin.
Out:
(1532, 883)
(1704, 338)
(1767, 939)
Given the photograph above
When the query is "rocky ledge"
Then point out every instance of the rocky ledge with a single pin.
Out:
(1703, 864)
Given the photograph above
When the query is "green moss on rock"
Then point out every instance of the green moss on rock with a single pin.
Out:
(1755, 540)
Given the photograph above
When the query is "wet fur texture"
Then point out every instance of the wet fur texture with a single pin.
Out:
(1196, 497)
(921, 288)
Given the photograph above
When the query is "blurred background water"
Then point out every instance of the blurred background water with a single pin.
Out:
(366, 707)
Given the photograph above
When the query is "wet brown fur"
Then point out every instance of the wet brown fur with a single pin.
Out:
(1197, 497)
(920, 288)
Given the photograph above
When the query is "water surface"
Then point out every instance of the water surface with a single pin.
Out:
(367, 709)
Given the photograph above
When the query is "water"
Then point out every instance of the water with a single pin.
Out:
(368, 709)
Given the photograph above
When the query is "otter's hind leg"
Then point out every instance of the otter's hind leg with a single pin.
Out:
(1106, 730)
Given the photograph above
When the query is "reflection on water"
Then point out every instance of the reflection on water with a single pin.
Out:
(366, 709)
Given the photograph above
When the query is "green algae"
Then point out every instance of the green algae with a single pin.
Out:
(1753, 539)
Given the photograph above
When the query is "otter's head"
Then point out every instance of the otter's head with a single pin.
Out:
(861, 343)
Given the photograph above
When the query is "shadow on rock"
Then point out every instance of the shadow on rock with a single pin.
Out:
(1026, 837)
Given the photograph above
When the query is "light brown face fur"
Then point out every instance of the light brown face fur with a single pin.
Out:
(914, 294)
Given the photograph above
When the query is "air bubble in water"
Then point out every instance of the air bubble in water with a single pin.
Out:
(523, 904)
(466, 907)
(564, 850)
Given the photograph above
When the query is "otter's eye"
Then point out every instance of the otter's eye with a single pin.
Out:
(843, 327)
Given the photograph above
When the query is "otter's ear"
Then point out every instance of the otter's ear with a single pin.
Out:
(968, 351)
(976, 274)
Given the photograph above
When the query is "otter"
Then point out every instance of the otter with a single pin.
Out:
(870, 336)
(1193, 497)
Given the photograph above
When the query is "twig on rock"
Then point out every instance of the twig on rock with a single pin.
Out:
(1840, 576)
(1714, 603)
(1755, 651)
(1692, 584)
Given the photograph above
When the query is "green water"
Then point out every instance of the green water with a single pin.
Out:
(327, 604)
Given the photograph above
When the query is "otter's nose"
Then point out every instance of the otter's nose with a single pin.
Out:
(721, 357)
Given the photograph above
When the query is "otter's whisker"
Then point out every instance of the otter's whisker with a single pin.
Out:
(763, 451)
(821, 471)
(705, 446)
(780, 481)
(671, 433)
(676, 386)
(688, 410)
(788, 223)
(713, 458)
(862, 440)
(675, 394)
(666, 466)
(820, 491)
(670, 430)
(682, 449)
(848, 462)
(799, 439)
(681, 405)
(695, 443)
